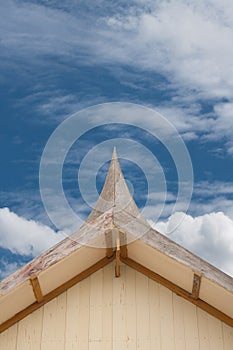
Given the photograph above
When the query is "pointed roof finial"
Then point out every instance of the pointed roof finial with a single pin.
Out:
(115, 195)
(114, 153)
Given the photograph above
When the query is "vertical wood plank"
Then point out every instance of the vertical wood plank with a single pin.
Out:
(142, 307)
(130, 305)
(203, 330)
(119, 311)
(61, 320)
(108, 275)
(48, 327)
(215, 333)
(3, 339)
(84, 314)
(96, 298)
(154, 312)
(190, 326)
(179, 326)
(54, 319)
(29, 331)
(72, 312)
(227, 336)
(8, 339)
(166, 318)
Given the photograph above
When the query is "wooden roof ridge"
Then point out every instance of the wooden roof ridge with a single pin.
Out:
(137, 244)
(115, 208)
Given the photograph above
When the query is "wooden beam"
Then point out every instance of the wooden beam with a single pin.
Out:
(36, 288)
(111, 235)
(123, 244)
(196, 286)
(108, 242)
(118, 252)
(179, 291)
(53, 294)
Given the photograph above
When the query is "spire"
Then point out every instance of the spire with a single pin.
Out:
(114, 154)
(115, 209)
(115, 195)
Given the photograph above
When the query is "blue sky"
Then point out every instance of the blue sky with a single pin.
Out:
(60, 57)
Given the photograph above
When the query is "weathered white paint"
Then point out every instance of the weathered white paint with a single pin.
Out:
(131, 312)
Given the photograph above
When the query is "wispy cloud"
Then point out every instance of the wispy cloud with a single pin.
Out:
(216, 189)
(195, 58)
(211, 197)
(55, 105)
(7, 267)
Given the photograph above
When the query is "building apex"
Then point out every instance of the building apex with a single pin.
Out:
(115, 195)
(114, 153)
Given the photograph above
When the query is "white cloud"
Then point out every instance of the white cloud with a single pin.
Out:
(25, 237)
(209, 236)
(187, 120)
(184, 39)
(189, 43)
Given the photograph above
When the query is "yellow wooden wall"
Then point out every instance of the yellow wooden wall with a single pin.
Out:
(130, 312)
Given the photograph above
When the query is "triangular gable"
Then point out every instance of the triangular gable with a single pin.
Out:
(115, 230)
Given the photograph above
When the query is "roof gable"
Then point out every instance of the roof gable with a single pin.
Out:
(114, 223)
